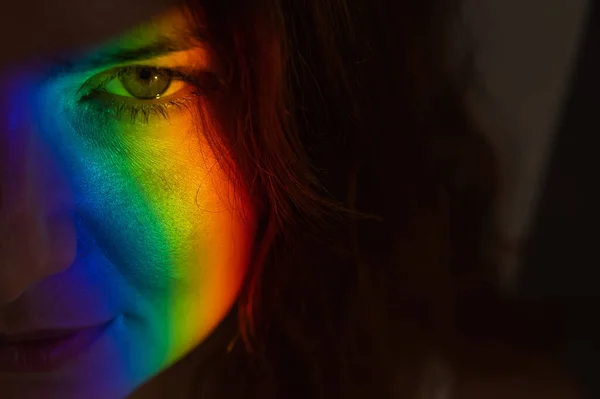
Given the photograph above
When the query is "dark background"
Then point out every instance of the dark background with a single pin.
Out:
(538, 97)
(562, 262)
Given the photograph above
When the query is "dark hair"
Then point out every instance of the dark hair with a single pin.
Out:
(347, 125)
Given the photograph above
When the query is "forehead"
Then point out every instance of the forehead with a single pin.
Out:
(37, 27)
(172, 32)
(175, 22)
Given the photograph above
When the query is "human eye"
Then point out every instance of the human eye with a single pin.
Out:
(139, 93)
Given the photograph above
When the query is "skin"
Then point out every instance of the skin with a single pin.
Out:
(114, 218)
(68, 24)
(135, 222)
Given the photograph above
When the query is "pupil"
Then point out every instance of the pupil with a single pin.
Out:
(145, 74)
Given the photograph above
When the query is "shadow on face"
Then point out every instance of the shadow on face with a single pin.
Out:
(124, 242)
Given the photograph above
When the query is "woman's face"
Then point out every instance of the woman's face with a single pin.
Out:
(117, 220)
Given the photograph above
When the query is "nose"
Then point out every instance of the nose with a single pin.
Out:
(37, 232)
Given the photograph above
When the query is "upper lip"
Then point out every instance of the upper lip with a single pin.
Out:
(42, 334)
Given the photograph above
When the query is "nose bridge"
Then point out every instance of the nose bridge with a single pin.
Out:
(37, 237)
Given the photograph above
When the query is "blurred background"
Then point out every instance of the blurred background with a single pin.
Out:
(539, 100)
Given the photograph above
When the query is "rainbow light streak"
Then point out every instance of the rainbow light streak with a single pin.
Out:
(162, 241)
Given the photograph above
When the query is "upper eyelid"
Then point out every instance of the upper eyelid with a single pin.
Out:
(174, 60)
(151, 52)
(173, 71)
(192, 60)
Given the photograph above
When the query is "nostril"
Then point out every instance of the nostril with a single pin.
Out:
(32, 250)
(10, 290)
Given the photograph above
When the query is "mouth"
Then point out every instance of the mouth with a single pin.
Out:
(45, 351)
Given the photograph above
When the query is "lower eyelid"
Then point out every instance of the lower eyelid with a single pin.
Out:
(137, 111)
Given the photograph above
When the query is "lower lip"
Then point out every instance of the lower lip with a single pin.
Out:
(47, 354)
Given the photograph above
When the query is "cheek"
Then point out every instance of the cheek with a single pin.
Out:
(210, 227)
(214, 230)
(165, 216)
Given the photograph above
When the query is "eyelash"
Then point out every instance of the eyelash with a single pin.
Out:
(139, 110)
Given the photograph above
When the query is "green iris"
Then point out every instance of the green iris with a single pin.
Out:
(145, 83)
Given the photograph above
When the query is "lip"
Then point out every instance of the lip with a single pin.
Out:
(48, 350)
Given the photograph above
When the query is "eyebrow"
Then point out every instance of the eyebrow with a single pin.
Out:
(104, 59)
